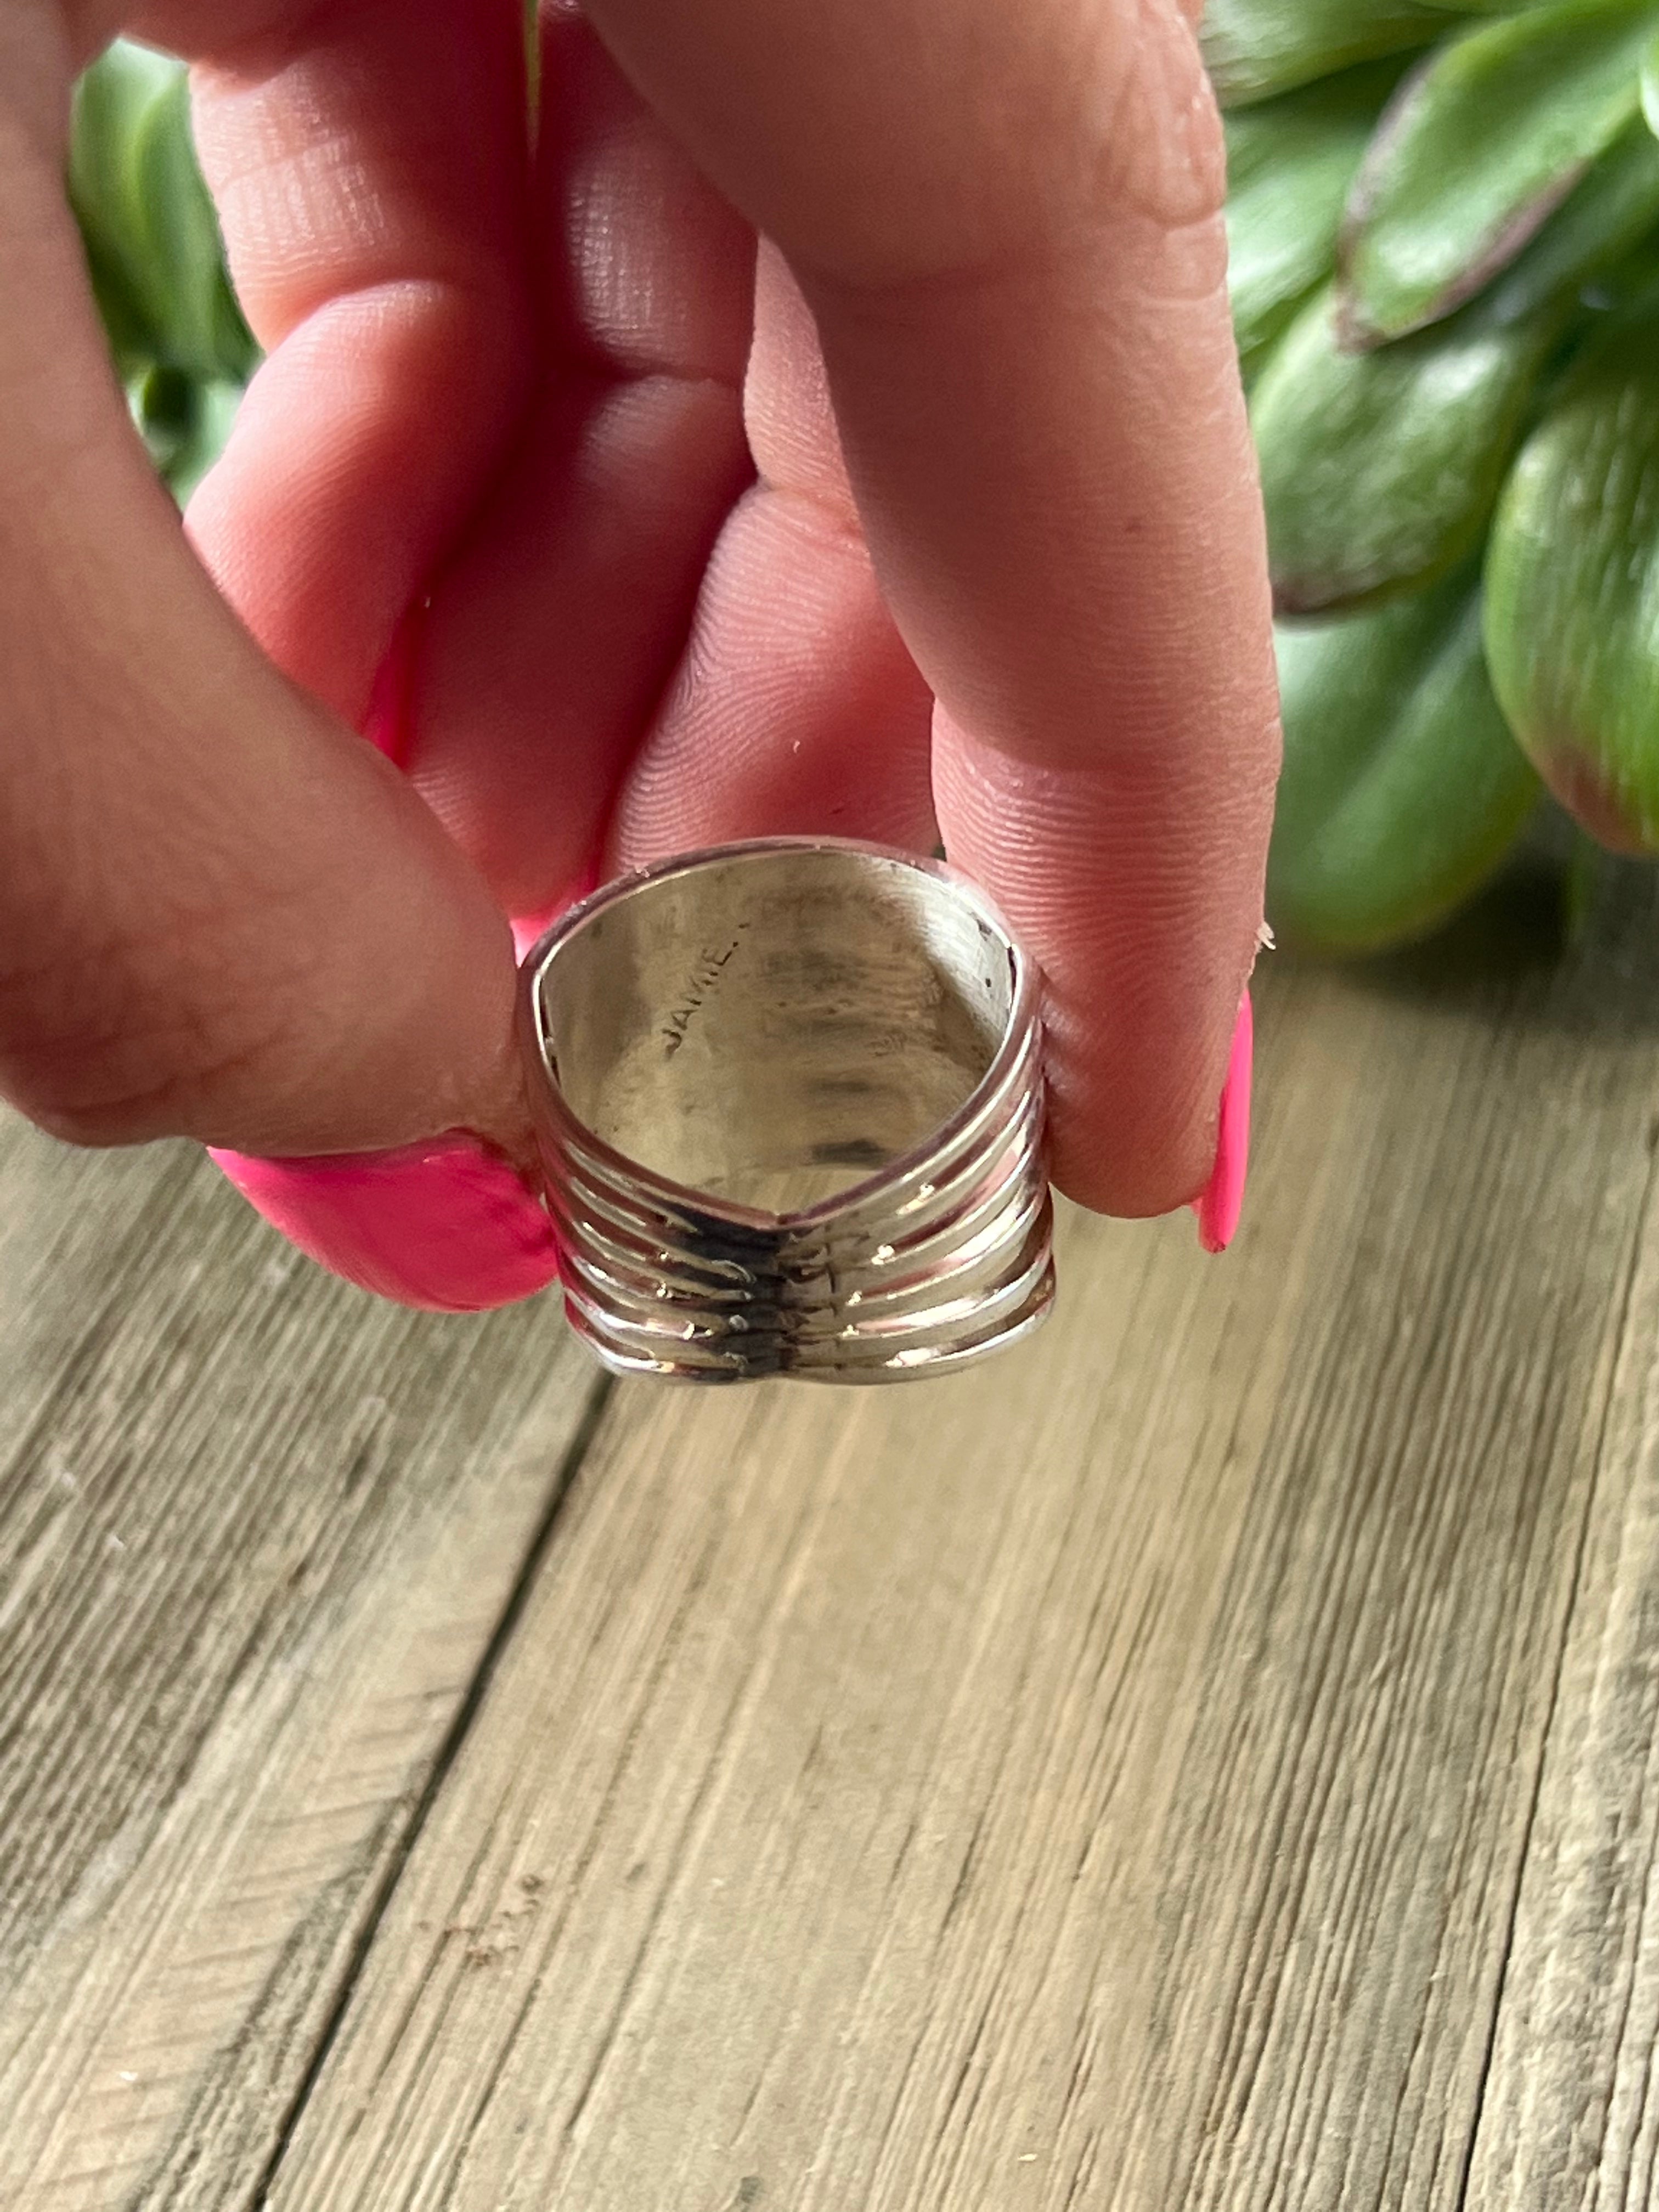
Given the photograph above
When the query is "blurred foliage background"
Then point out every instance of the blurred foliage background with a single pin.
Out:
(1443, 223)
(1444, 231)
(181, 347)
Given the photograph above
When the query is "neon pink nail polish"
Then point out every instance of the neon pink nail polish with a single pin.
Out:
(446, 1226)
(1223, 1199)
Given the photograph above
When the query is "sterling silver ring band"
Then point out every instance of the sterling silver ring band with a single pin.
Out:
(788, 1095)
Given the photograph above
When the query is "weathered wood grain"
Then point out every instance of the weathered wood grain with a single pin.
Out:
(1105, 1780)
(257, 1535)
(1569, 2115)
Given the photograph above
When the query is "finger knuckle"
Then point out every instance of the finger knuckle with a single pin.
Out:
(996, 135)
(1159, 148)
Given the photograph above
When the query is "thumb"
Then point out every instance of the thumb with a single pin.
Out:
(222, 915)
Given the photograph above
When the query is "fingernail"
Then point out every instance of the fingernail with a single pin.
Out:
(446, 1226)
(1223, 1199)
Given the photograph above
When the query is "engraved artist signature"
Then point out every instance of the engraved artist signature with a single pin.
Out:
(704, 976)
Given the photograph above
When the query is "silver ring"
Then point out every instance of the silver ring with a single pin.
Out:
(788, 1095)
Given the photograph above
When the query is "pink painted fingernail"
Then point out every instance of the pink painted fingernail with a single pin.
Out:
(1223, 1199)
(447, 1225)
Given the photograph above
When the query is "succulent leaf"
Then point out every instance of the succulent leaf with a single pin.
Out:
(1402, 789)
(1380, 470)
(1291, 161)
(217, 404)
(1572, 590)
(1256, 48)
(1651, 86)
(152, 237)
(183, 257)
(110, 101)
(1478, 149)
(1606, 217)
(184, 421)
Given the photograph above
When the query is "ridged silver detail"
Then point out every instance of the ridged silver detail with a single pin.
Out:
(939, 1256)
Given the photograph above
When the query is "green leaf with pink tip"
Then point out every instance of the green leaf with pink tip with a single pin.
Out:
(1477, 149)
(1290, 163)
(1572, 592)
(1380, 470)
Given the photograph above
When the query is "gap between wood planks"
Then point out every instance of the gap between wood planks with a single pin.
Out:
(602, 1392)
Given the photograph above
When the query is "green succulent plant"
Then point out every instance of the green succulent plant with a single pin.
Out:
(1443, 225)
(153, 248)
(1444, 229)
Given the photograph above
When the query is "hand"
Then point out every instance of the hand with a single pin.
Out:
(544, 483)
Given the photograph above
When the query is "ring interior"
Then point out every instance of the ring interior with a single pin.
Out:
(771, 1028)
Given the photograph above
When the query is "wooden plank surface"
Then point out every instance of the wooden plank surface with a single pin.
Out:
(1201, 1759)
(257, 1536)
(1204, 1759)
(1571, 2116)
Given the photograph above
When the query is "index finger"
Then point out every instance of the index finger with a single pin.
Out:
(1007, 222)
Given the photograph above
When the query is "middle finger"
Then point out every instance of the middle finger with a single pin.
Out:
(797, 708)
(549, 636)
